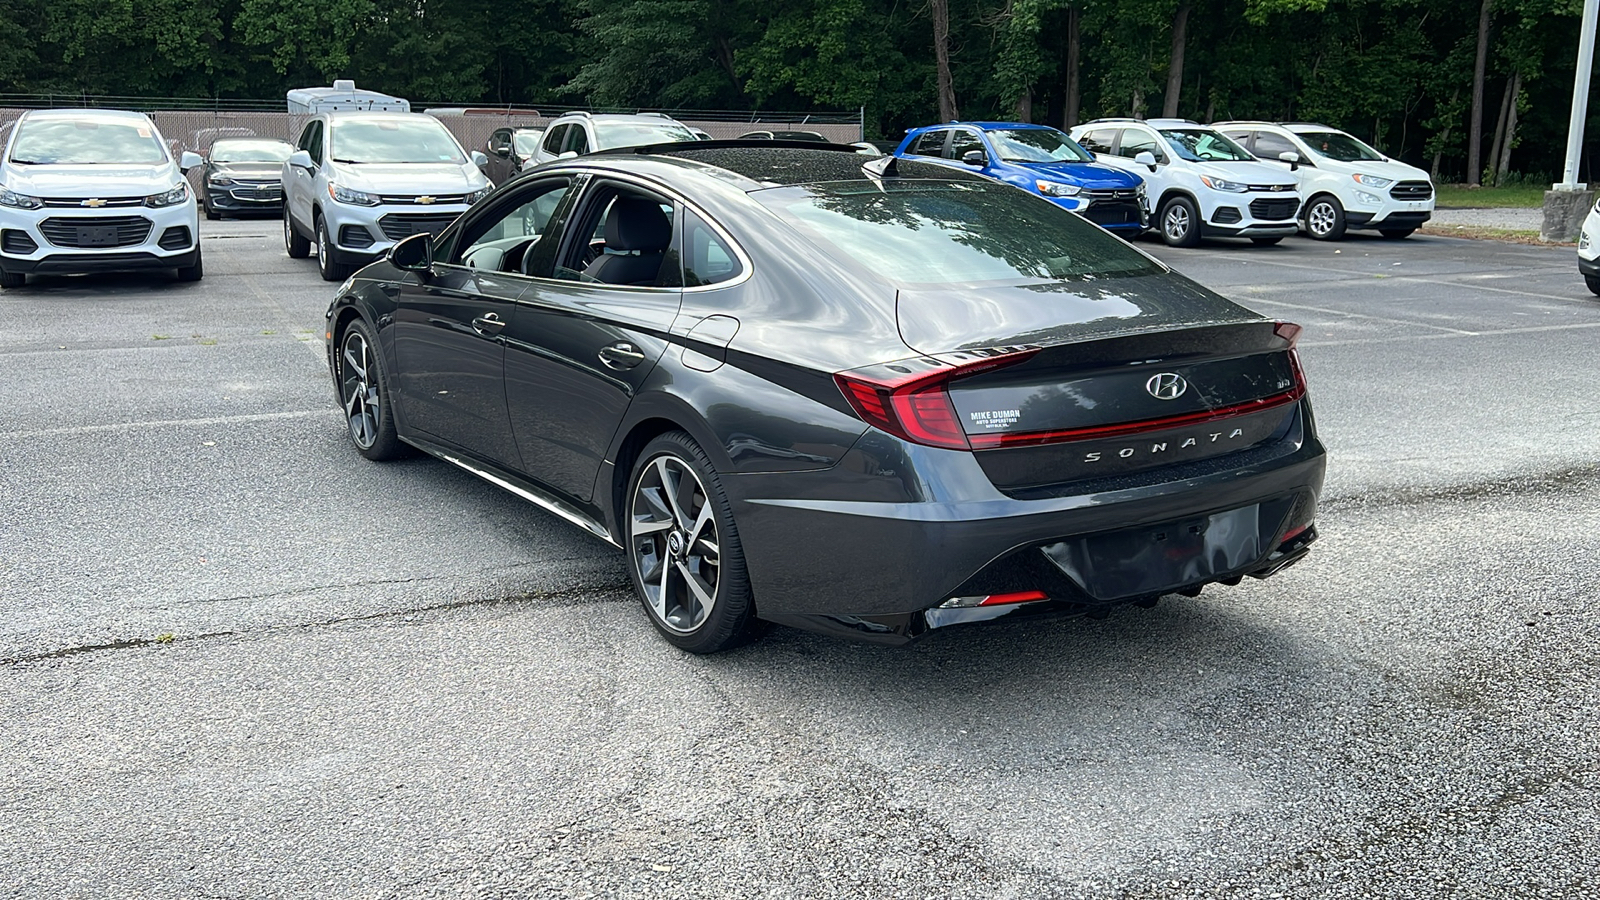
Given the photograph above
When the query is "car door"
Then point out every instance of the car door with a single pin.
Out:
(578, 351)
(298, 191)
(499, 147)
(449, 328)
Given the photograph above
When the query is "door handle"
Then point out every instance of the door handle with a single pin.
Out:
(621, 355)
(488, 324)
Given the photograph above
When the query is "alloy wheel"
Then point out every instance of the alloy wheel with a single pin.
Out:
(1176, 222)
(1320, 220)
(673, 539)
(359, 390)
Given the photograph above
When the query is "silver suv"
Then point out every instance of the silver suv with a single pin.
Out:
(577, 133)
(360, 181)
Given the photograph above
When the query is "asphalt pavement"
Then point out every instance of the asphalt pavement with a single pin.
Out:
(237, 660)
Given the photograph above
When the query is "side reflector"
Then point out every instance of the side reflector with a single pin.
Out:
(993, 599)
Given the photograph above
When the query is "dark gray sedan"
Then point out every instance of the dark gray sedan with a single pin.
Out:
(869, 399)
(244, 175)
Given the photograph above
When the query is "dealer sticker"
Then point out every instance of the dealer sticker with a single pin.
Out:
(995, 419)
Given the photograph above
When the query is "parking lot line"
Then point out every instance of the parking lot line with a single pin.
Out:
(164, 423)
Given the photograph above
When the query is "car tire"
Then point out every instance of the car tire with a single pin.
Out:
(1179, 222)
(194, 272)
(364, 394)
(326, 267)
(296, 246)
(1325, 218)
(12, 279)
(211, 214)
(1266, 241)
(699, 601)
(1593, 281)
(1396, 234)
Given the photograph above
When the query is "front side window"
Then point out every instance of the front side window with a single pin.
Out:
(1136, 141)
(927, 232)
(965, 141)
(1340, 146)
(87, 141)
(421, 140)
(1100, 140)
(1204, 145)
(577, 140)
(1036, 145)
(1269, 145)
(504, 240)
(552, 141)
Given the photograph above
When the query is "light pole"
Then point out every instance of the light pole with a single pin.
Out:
(1566, 203)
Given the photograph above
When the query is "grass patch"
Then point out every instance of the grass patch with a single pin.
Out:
(1520, 196)
(160, 337)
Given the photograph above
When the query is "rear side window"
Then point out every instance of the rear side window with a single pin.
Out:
(930, 144)
(577, 140)
(929, 232)
(707, 259)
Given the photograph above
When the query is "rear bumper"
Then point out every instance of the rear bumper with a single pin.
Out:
(877, 566)
(1590, 267)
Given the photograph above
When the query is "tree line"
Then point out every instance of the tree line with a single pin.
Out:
(1470, 90)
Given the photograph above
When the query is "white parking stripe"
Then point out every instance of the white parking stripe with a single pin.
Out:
(168, 423)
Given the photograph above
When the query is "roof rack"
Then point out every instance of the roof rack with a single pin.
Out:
(734, 144)
(1169, 122)
(1112, 119)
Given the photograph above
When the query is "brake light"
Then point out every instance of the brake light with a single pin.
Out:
(915, 405)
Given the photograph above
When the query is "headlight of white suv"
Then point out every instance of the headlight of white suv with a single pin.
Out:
(1057, 189)
(1217, 184)
(479, 194)
(1373, 181)
(352, 196)
(178, 194)
(19, 201)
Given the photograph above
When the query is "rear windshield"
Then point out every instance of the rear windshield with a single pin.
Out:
(420, 140)
(250, 151)
(933, 232)
(1340, 146)
(87, 142)
(639, 134)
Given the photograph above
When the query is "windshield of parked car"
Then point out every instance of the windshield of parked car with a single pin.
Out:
(87, 142)
(526, 141)
(931, 232)
(1204, 145)
(639, 134)
(1340, 146)
(1036, 145)
(420, 140)
(250, 151)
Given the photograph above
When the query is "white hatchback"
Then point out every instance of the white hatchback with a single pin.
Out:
(90, 190)
(1198, 183)
(1347, 184)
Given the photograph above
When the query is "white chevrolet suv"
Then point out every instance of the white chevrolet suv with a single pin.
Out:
(361, 181)
(1347, 184)
(90, 190)
(1198, 182)
(1589, 249)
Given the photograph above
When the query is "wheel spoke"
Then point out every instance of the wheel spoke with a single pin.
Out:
(702, 592)
(700, 522)
(669, 486)
(349, 358)
(643, 526)
(708, 550)
(659, 601)
(350, 404)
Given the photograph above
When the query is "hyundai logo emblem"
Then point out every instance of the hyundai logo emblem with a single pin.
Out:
(1166, 386)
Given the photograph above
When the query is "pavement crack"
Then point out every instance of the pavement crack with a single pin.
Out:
(1566, 480)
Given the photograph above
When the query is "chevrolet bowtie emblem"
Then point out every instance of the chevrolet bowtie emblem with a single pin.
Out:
(96, 202)
(424, 200)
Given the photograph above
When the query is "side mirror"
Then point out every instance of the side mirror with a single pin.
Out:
(503, 151)
(975, 158)
(1146, 158)
(414, 254)
(1292, 158)
(478, 159)
(189, 160)
(300, 159)
(567, 155)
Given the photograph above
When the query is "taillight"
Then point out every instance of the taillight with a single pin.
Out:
(1290, 332)
(915, 404)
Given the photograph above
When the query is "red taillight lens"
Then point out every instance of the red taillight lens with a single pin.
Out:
(916, 405)
(1014, 597)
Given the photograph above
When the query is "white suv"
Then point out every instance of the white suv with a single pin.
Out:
(90, 190)
(1198, 182)
(361, 181)
(577, 133)
(1347, 184)
(1589, 249)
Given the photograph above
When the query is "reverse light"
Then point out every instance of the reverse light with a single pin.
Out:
(1373, 181)
(914, 403)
